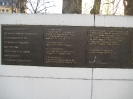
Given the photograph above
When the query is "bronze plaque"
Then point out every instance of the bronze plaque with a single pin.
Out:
(22, 45)
(109, 47)
(65, 46)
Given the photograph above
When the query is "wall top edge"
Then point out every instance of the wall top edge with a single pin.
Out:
(68, 15)
(67, 20)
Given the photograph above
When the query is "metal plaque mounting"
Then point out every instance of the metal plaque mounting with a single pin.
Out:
(22, 45)
(67, 46)
(109, 47)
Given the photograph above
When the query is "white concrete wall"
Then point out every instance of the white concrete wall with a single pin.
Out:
(31, 82)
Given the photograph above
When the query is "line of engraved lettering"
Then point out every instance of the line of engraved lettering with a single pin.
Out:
(11, 56)
(104, 39)
(54, 29)
(57, 44)
(17, 51)
(109, 32)
(10, 46)
(48, 38)
(31, 34)
(92, 51)
(55, 49)
(61, 45)
(119, 31)
(11, 42)
(17, 60)
(59, 60)
(62, 34)
(97, 30)
(10, 33)
(52, 57)
(99, 62)
(109, 44)
(17, 29)
(26, 52)
(107, 36)
(59, 52)
(16, 38)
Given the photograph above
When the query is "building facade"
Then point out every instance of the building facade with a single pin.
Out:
(12, 6)
(5, 6)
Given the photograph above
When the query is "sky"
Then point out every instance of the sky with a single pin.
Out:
(86, 7)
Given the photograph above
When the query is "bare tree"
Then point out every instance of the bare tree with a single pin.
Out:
(39, 6)
(128, 7)
(97, 5)
(33, 6)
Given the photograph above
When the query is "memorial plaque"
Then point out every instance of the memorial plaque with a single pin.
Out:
(22, 45)
(65, 46)
(109, 47)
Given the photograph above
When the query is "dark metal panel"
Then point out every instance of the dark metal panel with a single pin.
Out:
(65, 46)
(22, 45)
(109, 47)
(131, 65)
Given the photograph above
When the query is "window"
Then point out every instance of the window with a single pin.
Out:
(3, 10)
(7, 11)
(3, 3)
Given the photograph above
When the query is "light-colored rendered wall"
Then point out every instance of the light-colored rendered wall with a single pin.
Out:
(31, 82)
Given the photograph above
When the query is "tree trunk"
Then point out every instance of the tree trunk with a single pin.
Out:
(128, 7)
(96, 7)
(72, 6)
